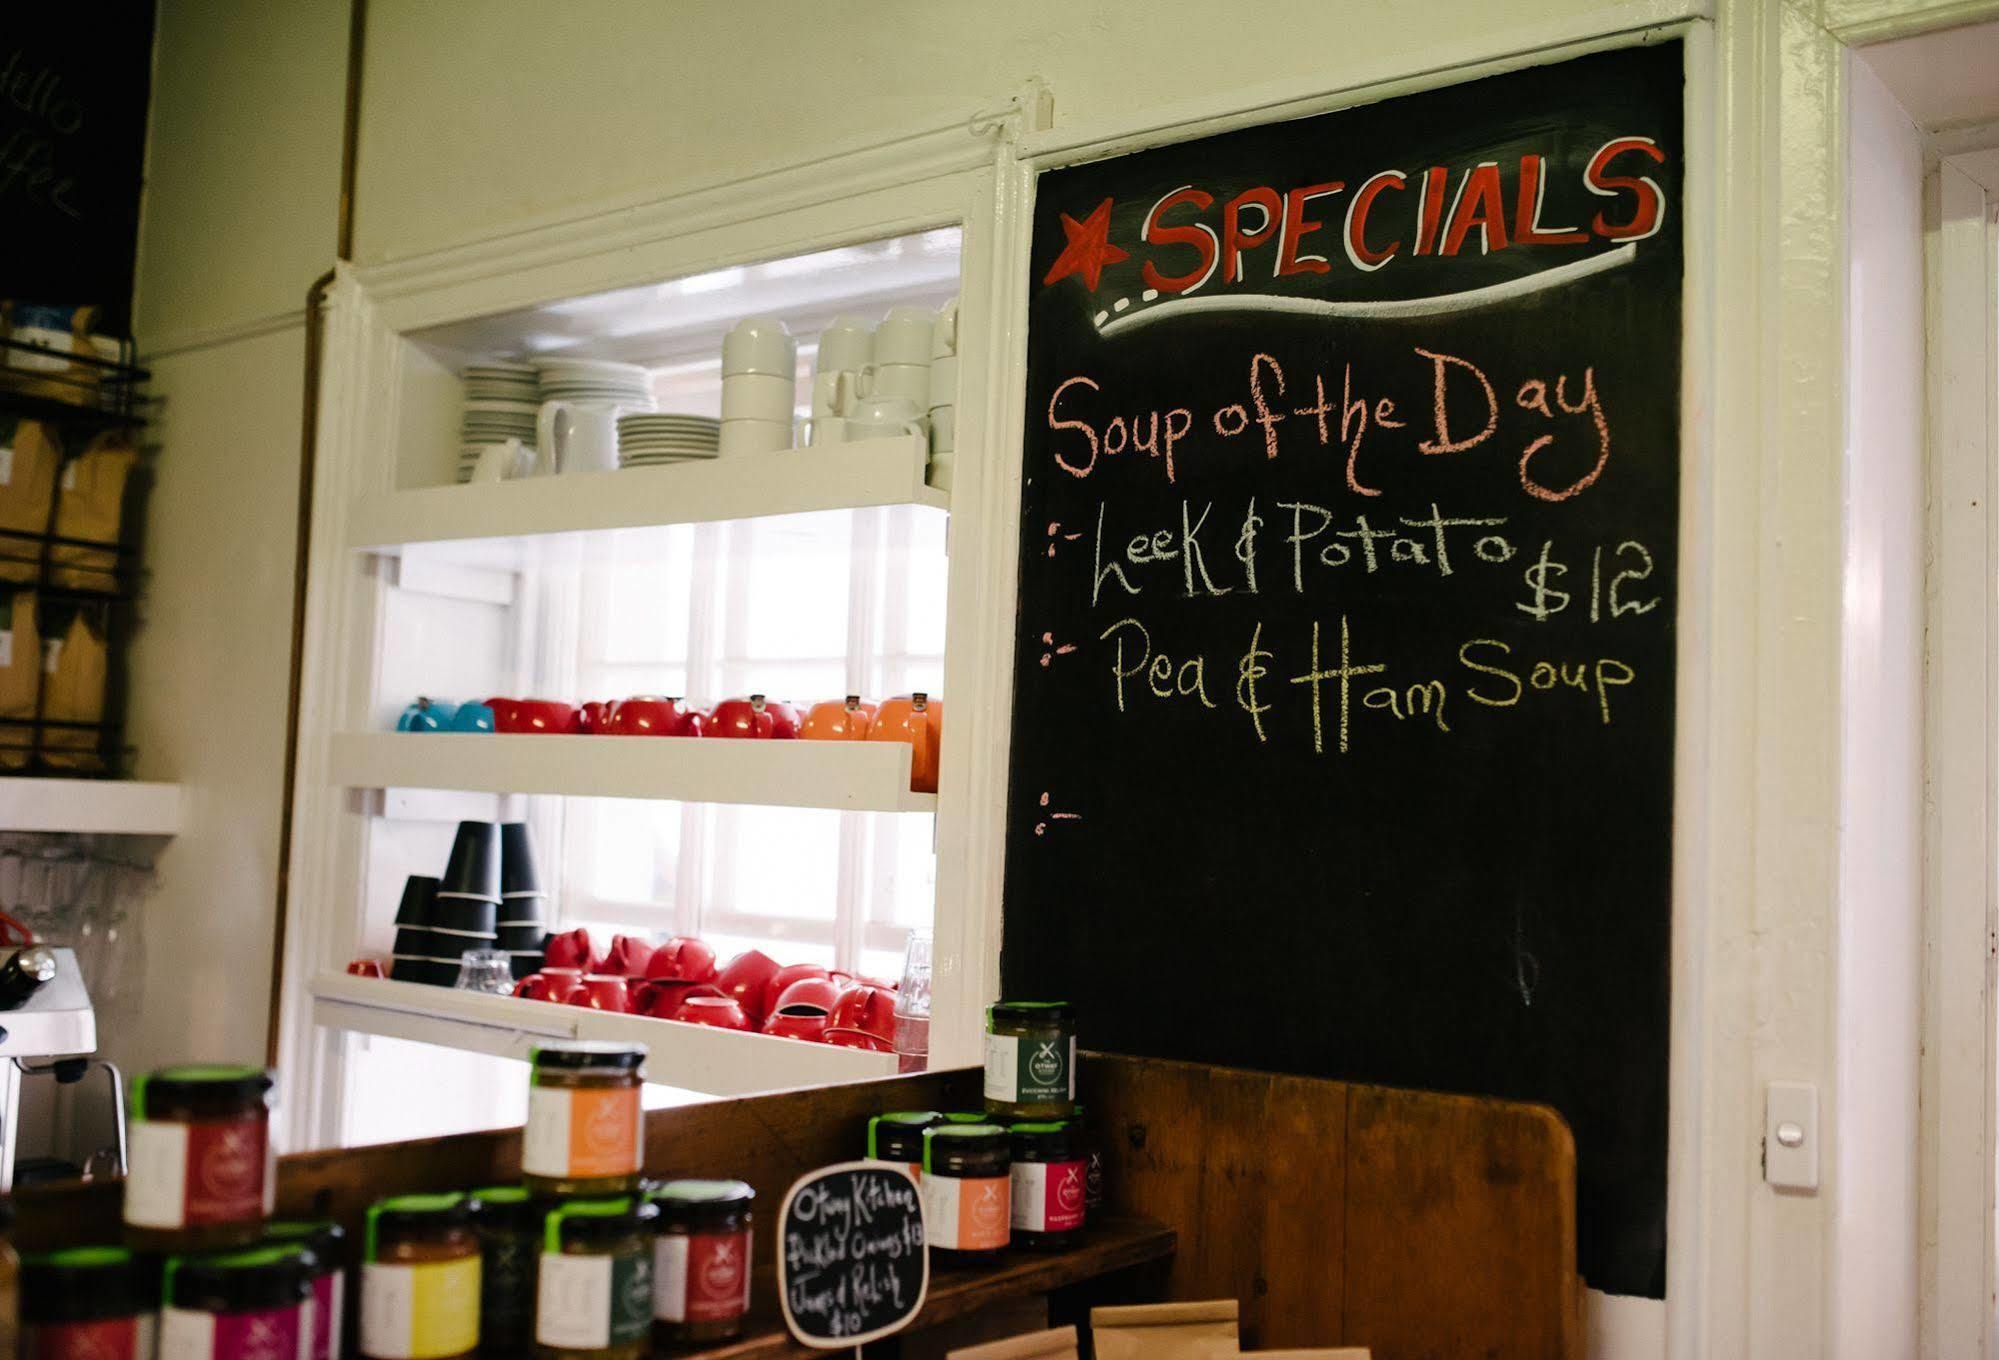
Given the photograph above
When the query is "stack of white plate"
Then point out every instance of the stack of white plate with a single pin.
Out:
(498, 380)
(594, 380)
(650, 440)
(501, 401)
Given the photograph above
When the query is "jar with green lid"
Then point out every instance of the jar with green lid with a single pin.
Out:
(701, 1262)
(241, 1305)
(327, 1241)
(585, 1132)
(419, 1279)
(898, 1137)
(1050, 1185)
(508, 1221)
(594, 1297)
(967, 1192)
(199, 1171)
(1093, 1163)
(1030, 1060)
(88, 1303)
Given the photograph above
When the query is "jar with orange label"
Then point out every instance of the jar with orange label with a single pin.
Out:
(967, 1192)
(585, 1132)
(199, 1173)
(420, 1279)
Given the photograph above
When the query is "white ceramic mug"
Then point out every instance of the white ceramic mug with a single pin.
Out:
(944, 336)
(755, 436)
(878, 417)
(758, 396)
(760, 344)
(502, 462)
(898, 380)
(944, 381)
(817, 430)
(579, 436)
(848, 344)
(906, 336)
(834, 394)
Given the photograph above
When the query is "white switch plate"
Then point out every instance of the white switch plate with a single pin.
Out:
(1791, 1135)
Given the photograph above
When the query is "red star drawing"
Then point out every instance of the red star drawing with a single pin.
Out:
(1089, 248)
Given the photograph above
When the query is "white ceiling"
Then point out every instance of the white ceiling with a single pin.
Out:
(1944, 79)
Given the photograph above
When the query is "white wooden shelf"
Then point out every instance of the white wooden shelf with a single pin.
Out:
(122, 807)
(850, 776)
(693, 1057)
(851, 476)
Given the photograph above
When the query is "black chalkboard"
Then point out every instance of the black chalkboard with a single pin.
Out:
(74, 92)
(1343, 719)
(851, 1261)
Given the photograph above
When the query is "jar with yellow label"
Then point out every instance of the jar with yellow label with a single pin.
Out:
(199, 1168)
(593, 1300)
(1031, 1060)
(585, 1134)
(420, 1279)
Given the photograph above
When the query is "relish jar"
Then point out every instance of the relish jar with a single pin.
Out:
(88, 1303)
(508, 1222)
(1031, 1060)
(1050, 1185)
(967, 1189)
(594, 1298)
(701, 1262)
(327, 1241)
(898, 1137)
(585, 1132)
(241, 1305)
(420, 1279)
(199, 1175)
(1093, 1163)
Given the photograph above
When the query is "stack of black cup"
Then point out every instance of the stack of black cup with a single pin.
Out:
(523, 930)
(441, 918)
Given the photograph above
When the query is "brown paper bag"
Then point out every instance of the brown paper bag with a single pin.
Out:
(75, 666)
(1058, 1344)
(29, 455)
(1167, 1331)
(90, 505)
(20, 674)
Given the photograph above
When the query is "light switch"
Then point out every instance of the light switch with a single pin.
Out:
(1791, 1136)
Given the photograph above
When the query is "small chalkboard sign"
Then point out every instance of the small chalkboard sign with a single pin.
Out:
(851, 1263)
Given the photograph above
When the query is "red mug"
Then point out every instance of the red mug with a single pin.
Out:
(870, 1010)
(797, 1022)
(594, 718)
(573, 949)
(551, 984)
(719, 1011)
(367, 968)
(662, 998)
(682, 959)
(630, 956)
(755, 716)
(784, 977)
(602, 992)
(854, 1038)
(818, 992)
(747, 981)
(648, 715)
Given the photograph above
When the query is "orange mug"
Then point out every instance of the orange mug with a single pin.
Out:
(919, 720)
(839, 720)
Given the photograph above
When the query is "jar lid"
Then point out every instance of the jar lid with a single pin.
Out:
(1048, 1141)
(82, 1284)
(690, 1205)
(579, 1053)
(506, 1206)
(269, 1276)
(967, 1117)
(210, 1082)
(324, 1238)
(902, 1128)
(1030, 1012)
(962, 1141)
(413, 1211)
(590, 1222)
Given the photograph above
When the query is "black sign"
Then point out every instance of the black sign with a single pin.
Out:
(1344, 677)
(851, 1264)
(74, 82)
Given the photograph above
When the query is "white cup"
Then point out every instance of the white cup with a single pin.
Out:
(847, 344)
(880, 416)
(944, 381)
(944, 335)
(579, 436)
(943, 429)
(906, 336)
(817, 430)
(760, 344)
(755, 436)
(898, 380)
(758, 396)
(834, 394)
(502, 462)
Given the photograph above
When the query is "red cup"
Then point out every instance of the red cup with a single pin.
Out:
(719, 1011)
(367, 968)
(648, 715)
(870, 1010)
(602, 992)
(629, 957)
(755, 716)
(550, 984)
(572, 949)
(854, 1038)
(662, 998)
(747, 981)
(797, 1022)
(682, 959)
(594, 718)
(784, 977)
(506, 714)
(808, 991)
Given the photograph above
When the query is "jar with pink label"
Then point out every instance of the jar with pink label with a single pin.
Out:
(199, 1174)
(88, 1303)
(1050, 1185)
(244, 1305)
(701, 1262)
(327, 1241)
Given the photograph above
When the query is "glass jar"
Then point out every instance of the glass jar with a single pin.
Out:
(242, 1305)
(1030, 1060)
(1050, 1186)
(967, 1192)
(701, 1262)
(508, 1221)
(88, 1303)
(898, 1137)
(585, 1131)
(199, 1174)
(327, 1241)
(1093, 1163)
(594, 1297)
(420, 1279)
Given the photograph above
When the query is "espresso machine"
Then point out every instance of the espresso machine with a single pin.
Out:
(47, 1028)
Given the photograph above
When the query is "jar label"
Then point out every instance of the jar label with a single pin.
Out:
(586, 1132)
(329, 1298)
(701, 1277)
(586, 1303)
(127, 1338)
(194, 1174)
(1048, 1196)
(963, 1214)
(419, 1312)
(506, 1310)
(261, 1334)
(1030, 1071)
